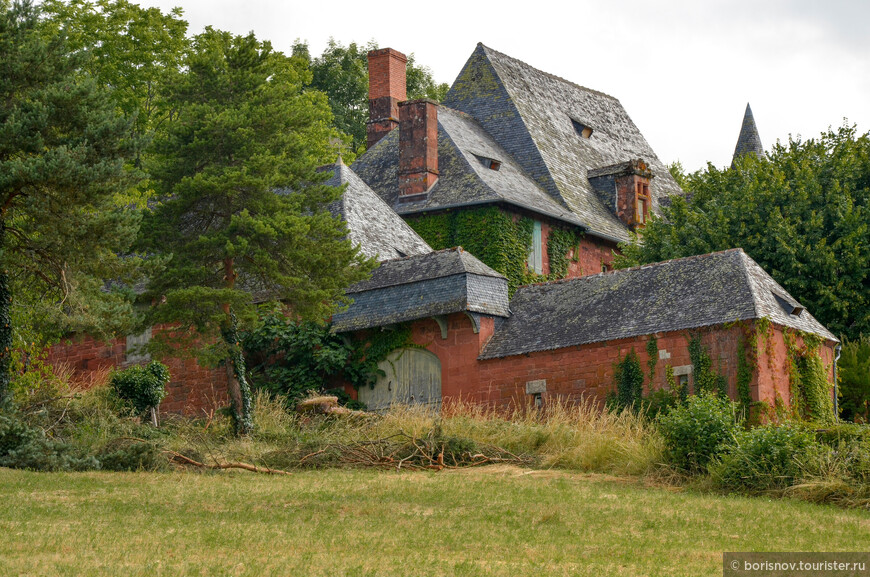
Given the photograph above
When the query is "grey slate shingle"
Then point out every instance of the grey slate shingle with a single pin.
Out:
(749, 141)
(372, 225)
(422, 286)
(530, 112)
(503, 109)
(682, 294)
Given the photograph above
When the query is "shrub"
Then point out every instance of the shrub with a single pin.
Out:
(135, 456)
(23, 447)
(142, 387)
(696, 431)
(629, 381)
(765, 458)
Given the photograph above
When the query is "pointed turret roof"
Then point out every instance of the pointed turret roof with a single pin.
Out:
(748, 141)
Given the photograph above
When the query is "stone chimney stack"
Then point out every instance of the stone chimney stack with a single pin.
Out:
(418, 148)
(624, 188)
(386, 90)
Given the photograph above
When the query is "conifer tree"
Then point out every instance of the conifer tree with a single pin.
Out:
(62, 160)
(241, 211)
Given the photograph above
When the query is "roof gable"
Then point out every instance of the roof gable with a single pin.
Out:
(532, 114)
(682, 294)
(372, 225)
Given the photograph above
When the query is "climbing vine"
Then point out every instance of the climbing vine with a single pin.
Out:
(559, 243)
(652, 351)
(292, 358)
(499, 240)
(629, 381)
(808, 377)
(706, 379)
(745, 370)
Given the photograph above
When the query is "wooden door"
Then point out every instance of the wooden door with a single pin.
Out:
(411, 377)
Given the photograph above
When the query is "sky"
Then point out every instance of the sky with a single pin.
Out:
(683, 69)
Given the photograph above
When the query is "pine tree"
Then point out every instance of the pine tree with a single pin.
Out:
(244, 136)
(62, 161)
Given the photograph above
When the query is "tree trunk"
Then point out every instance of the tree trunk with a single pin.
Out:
(237, 383)
(5, 323)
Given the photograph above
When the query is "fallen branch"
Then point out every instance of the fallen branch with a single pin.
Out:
(183, 460)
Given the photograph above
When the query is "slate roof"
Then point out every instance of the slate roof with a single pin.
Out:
(748, 141)
(422, 286)
(373, 225)
(530, 113)
(503, 109)
(682, 294)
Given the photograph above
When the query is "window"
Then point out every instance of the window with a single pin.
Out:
(683, 382)
(536, 256)
(604, 267)
(490, 163)
(582, 129)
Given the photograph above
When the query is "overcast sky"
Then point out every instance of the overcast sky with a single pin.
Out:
(683, 69)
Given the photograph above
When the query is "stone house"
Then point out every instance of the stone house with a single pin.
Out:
(516, 150)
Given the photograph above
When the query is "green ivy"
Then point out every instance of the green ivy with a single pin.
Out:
(498, 240)
(652, 351)
(744, 377)
(292, 358)
(559, 242)
(629, 381)
(811, 390)
(707, 380)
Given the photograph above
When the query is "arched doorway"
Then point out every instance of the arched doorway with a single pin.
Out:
(411, 377)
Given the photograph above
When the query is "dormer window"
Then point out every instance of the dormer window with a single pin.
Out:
(490, 163)
(788, 306)
(584, 130)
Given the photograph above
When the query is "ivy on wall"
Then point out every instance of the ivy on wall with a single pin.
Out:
(706, 378)
(652, 351)
(499, 240)
(808, 378)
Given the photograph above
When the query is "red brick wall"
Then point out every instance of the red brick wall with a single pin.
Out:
(586, 259)
(418, 146)
(774, 367)
(192, 390)
(587, 369)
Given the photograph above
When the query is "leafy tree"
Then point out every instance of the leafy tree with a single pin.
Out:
(342, 73)
(244, 131)
(854, 377)
(62, 154)
(803, 215)
(134, 50)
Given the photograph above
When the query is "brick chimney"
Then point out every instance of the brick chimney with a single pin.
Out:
(624, 188)
(386, 90)
(418, 148)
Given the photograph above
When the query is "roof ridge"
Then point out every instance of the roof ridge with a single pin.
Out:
(633, 268)
(545, 73)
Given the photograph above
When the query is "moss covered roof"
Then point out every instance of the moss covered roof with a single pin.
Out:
(681, 294)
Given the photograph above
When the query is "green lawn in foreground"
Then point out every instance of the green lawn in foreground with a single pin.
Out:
(489, 521)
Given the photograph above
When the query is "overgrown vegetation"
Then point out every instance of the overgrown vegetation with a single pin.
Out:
(142, 387)
(499, 240)
(854, 379)
(628, 377)
(291, 358)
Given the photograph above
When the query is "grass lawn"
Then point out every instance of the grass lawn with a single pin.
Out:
(489, 521)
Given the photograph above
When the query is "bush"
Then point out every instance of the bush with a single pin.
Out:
(142, 387)
(765, 458)
(695, 432)
(23, 447)
(135, 456)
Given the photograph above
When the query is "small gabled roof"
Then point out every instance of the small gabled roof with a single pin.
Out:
(372, 225)
(465, 179)
(535, 116)
(748, 142)
(423, 286)
(682, 294)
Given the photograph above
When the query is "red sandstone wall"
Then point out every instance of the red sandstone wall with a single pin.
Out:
(192, 390)
(593, 252)
(774, 367)
(571, 372)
